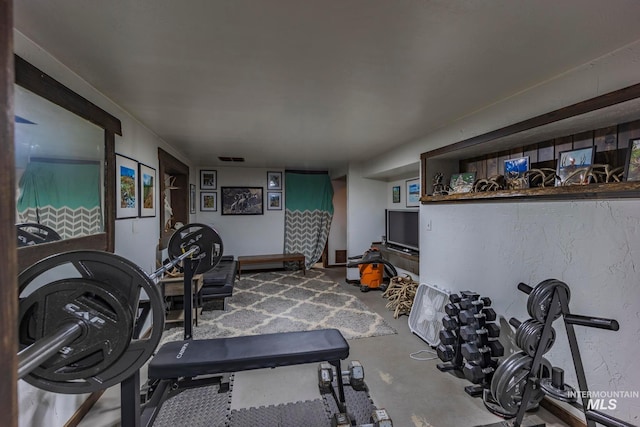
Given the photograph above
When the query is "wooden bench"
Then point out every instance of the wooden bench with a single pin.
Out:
(270, 258)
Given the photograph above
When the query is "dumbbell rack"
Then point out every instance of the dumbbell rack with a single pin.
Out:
(561, 297)
(467, 328)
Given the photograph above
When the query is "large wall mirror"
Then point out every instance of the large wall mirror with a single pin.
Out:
(64, 148)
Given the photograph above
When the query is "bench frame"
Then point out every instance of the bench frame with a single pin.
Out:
(271, 258)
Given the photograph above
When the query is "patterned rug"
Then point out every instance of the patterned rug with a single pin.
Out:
(285, 301)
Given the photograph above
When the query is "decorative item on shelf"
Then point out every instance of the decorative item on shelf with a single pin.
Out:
(462, 182)
(542, 177)
(603, 173)
(573, 166)
(439, 189)
(493, 183)
(515, 173)
(632, 166)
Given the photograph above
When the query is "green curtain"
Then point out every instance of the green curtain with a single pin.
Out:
(308, 214)
(63, 195)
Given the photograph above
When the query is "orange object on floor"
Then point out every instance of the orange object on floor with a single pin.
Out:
(371, 275)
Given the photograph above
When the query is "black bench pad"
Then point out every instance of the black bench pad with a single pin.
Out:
(222, 355)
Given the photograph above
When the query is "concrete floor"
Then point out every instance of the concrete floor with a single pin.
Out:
(414, 393)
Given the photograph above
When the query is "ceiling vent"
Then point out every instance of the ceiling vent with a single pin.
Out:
(231, 159)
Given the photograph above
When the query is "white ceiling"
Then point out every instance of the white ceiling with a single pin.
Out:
(313, 84)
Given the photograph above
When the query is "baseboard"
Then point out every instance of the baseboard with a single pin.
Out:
(84, 409)
(561, 413)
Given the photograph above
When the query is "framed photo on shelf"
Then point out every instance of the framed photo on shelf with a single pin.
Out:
(462, 182)
(395, 192)
(274, 180)
(274, 200)
(192, 198)
(514, 172)
(573, 164)
(126, 187)
(632, 166)
(413, 192)
(208, 180)
(148, 186)
(242, 201)
(208, 201)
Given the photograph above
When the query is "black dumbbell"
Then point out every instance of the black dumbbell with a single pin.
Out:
(454, 298)
(447, 337)
(477, 374)
(445, 352)
(493, 329)
(465, 303)
(479, 356)
(466, 316)
(489, 314)
(497, 349)
(450, 323)
(451, 309)
(478, 321)
(470, 294)
(468, 333)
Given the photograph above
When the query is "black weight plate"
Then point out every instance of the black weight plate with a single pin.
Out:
(511, 384)
(207, 241)
(117, 276)
(539, 301)
(30, 234)
(105, 316)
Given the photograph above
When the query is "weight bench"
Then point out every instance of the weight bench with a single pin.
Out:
(177, 364)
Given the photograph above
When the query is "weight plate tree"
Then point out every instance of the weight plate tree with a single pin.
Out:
(83, 317)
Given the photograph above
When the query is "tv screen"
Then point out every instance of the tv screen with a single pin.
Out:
(402, 229)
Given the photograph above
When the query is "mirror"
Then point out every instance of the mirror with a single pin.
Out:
(65, 168)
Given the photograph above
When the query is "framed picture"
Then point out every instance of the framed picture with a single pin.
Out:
(242, 201)
(632, 167)
(208, 180)
(573, 164)
(462, 182)
(208, 201)
(192, 198)
(274, 180)
(396, 194)
(413, 192)
(514, 172)
(148, 186)
(126, 187)
(274, 200)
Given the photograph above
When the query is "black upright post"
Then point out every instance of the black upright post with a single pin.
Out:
(130, 401)
(188, 297)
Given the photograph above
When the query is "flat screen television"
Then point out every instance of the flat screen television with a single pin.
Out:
(402, 229)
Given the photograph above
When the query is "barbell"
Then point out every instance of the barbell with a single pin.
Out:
(78, 312)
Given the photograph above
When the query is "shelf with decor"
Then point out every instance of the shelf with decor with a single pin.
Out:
(603, 127)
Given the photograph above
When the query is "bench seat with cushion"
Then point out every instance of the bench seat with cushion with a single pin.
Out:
(219, 281)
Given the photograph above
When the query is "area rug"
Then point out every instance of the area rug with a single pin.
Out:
(284, 301)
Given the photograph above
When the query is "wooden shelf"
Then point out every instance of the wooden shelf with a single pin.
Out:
(615, 190)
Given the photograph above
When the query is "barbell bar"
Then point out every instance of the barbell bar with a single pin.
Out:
(173, 263)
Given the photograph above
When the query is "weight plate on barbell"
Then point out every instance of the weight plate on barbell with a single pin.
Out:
(565, 394)
(528, 337)
(539, 301)
(207, 241)
(511, 383)
(106, 326)
(124, 287)
(30, 234)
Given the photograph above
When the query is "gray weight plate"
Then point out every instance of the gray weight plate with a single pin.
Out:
(514, 379)
(129, 287)
(539, 301)
(566, 394)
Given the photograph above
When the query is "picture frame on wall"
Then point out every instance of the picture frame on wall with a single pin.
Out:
(274, 200)
(274, 180)
(242, 201)
(208, 201)
(208, 179)
(126, 187)
(515, 172)
(573, 165)
(395, 192)
(148, 190)
(462, 182)
(192, 198)
(632, 165)
(413, 192)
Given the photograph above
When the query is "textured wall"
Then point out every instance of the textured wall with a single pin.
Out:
(593, 246)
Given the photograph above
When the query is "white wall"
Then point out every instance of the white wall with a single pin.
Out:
(135, 239)
(245, 234)
(592, 246)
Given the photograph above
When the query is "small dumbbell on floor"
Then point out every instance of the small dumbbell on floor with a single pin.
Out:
(354, 373)
(478, 374)
(379, 418)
